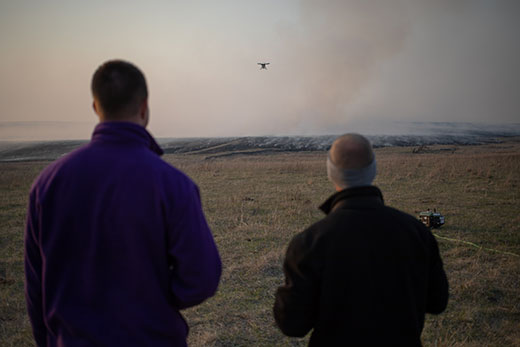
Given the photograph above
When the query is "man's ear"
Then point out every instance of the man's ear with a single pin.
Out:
(143, 109)
(95, 108)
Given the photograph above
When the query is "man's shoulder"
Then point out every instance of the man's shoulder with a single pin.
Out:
(316, 230)
(390, 210)
(172, 174)
(57, 166)
(406, 224)
(404, 217)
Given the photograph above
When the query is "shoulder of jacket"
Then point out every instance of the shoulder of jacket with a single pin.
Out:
(316, 232)
(403, 215)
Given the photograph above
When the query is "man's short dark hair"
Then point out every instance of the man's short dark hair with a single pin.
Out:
(119, 87)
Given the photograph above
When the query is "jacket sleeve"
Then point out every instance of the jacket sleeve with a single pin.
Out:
(296, 301)
(33, 273)
(438, 291)
(194, 258)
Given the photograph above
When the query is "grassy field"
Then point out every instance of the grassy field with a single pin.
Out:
(256, 203)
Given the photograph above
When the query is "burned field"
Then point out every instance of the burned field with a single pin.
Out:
(255, 200)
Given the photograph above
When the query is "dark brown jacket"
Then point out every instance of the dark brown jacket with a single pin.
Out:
(365, 275)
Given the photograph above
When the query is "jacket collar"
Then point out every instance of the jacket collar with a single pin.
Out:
(357, 197)
(125, 132)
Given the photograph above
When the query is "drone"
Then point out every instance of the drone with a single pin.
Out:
(263, 66)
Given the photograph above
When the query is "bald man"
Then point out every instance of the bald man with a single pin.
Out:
(366, 274)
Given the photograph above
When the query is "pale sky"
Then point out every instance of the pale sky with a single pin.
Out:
(333, 64)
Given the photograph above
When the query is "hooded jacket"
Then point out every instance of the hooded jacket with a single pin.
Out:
(365, 275)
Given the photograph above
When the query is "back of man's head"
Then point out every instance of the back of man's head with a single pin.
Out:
(119, 88)
(351, 162)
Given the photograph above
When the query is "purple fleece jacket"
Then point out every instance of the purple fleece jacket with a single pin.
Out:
(116, 244)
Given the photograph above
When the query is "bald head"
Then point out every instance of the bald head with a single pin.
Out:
(351, 151)
(351, 162)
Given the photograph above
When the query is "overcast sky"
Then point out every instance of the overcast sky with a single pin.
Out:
(334, 65)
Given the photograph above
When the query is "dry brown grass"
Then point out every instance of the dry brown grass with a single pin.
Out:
(256, 203)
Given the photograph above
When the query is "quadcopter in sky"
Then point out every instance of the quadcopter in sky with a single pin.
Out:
(263, 66)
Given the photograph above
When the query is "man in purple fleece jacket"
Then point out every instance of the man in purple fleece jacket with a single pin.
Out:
(116, 242)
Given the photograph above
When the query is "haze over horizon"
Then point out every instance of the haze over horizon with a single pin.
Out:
(335, 65)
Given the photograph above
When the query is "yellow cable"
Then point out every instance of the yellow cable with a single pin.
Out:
(475, 245)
